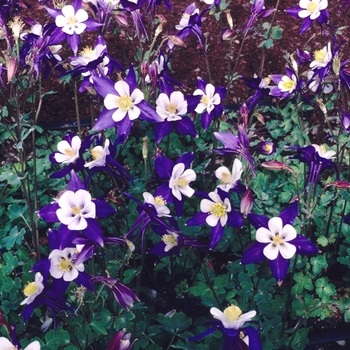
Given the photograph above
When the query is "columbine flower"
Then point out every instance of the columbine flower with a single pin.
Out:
(123, 294)
(99, 155)
(71, 21)
(180, 180)
(317, 85)
(231, 323)
(235, 144)
(68, 152)
(123, 103)
(173, 107)
(158, 203)
(227, 179)
(345, 120)
(33, 289)
(217, 212)
(322, 57)
(309, 11)
(75, 208)
(277, 241)
(210, 104)
(286, 84)
(266, 147)
(63, 264)
(120, 341)
(5, 344)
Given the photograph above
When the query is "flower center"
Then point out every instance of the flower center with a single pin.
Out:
(96, 154)
(171, 108)
(69, 152)
(319, 55)
(218, 210)
(87, 51)
(159, 200)
(71, 20)
(268, 147)
(311, 7)
(205, 99)
(65, 265)
(181, 182)
(232, 313)
(170, 240)
(226, 178)
(277, 239)
(124, 103)
(30, 289)
(76, 210)
(288, 85)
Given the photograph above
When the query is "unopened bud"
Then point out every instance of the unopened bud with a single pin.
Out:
(130, 245)
(121, 19)
(276, 165)
(260, 118)
(144, 68)
(227, 34)
(159, 29)
(145, 147)
(345, 121)
(339, 184)
(294, 64)
(11, 65)
(244, 112)
(322, 106)
(247, 202)
(336, 65)
(176, 40)
(229, 18)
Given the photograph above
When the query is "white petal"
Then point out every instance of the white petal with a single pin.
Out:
(67, 200)
(5, 344)
(178, 171)
(303, 14)
(62, 146)
(287, 250)
(221, 171)
(119, 115)
(62, 158)
(271, 251)
(288, 233)
(110, 101)
(137, 96)
(35, 345)
(55, 271)
(78, 223)
(122, 88)
(68, 11)
(176, 193)
(82, 198)
(275, 225)
(205, 205)
(263, 235)
(209, 90)
(212, 220)
(79, 28)
(219, 315)
(81, 15)
(89, 211)
(70, 275)
(237, 170)
(223, 220)
(65, 216)
(148, 198)
(134, 112)
(186, 190)
(189, 175)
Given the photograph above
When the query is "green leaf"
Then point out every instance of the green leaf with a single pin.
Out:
(318, 264)
(55, 339)
(101, 322)
(324, 289)
(15, 210)
(323, 241)
(15, 236)
(276, 33)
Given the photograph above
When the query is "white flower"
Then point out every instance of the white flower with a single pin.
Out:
(217, 208)
(312, 8)
(185, 19)
(99, 155)
(124, 103)
(5, 344)
(322, 57)
(158, 202)
(171, 108)
(179, 181)
(170, 240)
(315, 82)
(75, 208)
(287, 84)
(228, 180)
(72, 22)
(33, 289)
(62, 264)
(68, 153)
(209, 99)
(232, 317)
(322, 152)
(277, 236)
(88, 55)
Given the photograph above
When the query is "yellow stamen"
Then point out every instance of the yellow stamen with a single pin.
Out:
(218, 210)
(171, 108)
(124, 103)
(170, 240)
(96, 154)
(232, 313)
(76, 210)
(288, 85)
(226, 178)
(205, 100)
(87, 51)
(311, 7)
(71, 20)
(319, 55)
(277, 239)
(30, 289)
(65, 265)
(159, 200)
(69, 152)
(181, 182)
(268, 80)
(268, 147)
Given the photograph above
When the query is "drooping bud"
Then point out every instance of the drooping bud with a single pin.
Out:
(176, 40)
(229, 18)
(144, 68)
(339, 184)
(260, 118)
(11, 65)
(121, 19)
(159, 29)
(345, 121)
(276, 165)
(145, 147)
(244, 112)
(336, 65)
(247, 202)
(227, 34)
(322, 106)
(294, 64)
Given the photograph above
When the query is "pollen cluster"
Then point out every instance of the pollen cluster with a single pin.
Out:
(232, 313)
(30, 289)
(218, 210)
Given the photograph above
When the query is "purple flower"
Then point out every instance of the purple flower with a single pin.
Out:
(210, 105)
(76, 211)
(318, 159)
(217, 212)
(230, 323)
(123, 294)
(235, 144)
(287, 84)
(258, 11)
(123, 103)
(266, 147)
(33, 289)
(177, 179)
(261, 87)
(70, 22)
(277, 241)
(345, 120)
(309, 11)
(120, 341)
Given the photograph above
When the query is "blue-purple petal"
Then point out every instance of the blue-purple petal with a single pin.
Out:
(254, 253)
(304, 246)
(185, 126)
(93, 231)
(289, 214)
(279, 267)
(103, 209)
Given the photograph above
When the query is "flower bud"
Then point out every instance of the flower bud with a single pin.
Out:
(336, 65)
(144, 68)
(266, 147)
(229, 18)
(260, 118)
(276, 165)
(227, 34)
(176, 40)
(345, 121)
(247, 202)
(145, 147)
(244, 112)
(11, 65)
(339, 184)
(159, 29)
(121, 19)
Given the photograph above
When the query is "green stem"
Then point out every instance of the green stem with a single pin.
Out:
(75, 87)
(171, 342)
